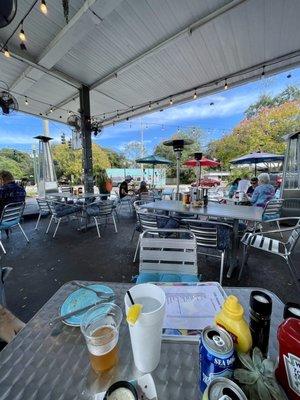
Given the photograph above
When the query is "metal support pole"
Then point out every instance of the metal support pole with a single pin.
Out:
(178, 156)
(87, 160)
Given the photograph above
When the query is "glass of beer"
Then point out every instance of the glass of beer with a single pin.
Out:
(100, 328)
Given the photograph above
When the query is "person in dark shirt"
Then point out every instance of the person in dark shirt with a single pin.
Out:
(123, 190)
(10, 191)
(254, 184)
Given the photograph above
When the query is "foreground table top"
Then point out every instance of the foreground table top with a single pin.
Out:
(51, 362)
(249, 213)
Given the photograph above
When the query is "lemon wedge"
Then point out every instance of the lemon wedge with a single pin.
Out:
(133, 313)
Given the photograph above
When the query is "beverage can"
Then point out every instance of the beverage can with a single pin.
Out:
(216, 355)
(223, 389)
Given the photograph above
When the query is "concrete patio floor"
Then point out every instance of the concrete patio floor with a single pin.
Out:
(43, 265)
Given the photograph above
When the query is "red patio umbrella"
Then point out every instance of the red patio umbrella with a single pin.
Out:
(204, 162)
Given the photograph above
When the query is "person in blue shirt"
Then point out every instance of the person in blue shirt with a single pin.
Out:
(10, 191)
(264, 192)
(233, 187)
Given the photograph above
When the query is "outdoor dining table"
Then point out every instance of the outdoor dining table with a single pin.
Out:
(233, 212)
(46, 361)
(71, 196)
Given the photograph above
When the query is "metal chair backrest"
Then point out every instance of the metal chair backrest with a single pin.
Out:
(273, 207)
(176, 254)
(65, 189)
(106, 207)
(293, 239)
(43, 205)
(147, 197)
(52, 204)
(206, 232)
(147, 220)
(11, 212)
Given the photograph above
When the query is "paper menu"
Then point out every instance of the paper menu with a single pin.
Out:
(192, 307)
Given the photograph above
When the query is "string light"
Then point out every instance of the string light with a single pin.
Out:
(43, 7)
(22, 35)
(171, 101)
(22, 46)
(226, 85)
(195, 95)
(51, 110)
(69, 112)
(6, 52)
(149, 107)
(263, 72)
(26, 101)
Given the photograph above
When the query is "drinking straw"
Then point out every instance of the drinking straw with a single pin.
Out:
(130, 297)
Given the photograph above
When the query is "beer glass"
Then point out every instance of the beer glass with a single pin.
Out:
(100, 328)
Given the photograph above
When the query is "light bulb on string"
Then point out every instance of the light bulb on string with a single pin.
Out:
(22, 35)
(26, 101)
(226, 85)
(51, 110)
(43, 7)
(149, 107)
(263, 72)
(6, 52)
(195, 95)
(171, 101)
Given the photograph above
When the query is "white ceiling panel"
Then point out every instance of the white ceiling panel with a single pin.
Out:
(137, 51)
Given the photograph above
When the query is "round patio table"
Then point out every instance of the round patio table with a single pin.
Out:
(48, 362)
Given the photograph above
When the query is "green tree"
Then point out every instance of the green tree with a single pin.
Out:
(133, 150)
(291, 93)
(117, 160)
(262, 132)
(22, 162)
(69, 162)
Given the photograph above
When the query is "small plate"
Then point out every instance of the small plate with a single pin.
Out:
(81, 298)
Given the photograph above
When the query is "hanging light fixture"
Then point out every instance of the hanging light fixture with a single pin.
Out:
(226, 85)
(149, 107)
(6, 52)
(171, 101)
(263, 72)
(51, 110)
(26, 101)
(43, 7)
(195, 95)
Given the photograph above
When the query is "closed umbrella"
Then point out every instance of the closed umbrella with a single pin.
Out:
(153, 160)
(258, 157)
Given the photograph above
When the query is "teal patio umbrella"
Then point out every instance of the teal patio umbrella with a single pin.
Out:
(153, 160)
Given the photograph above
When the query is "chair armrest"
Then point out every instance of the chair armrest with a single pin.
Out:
(283, 219)
(273, 231)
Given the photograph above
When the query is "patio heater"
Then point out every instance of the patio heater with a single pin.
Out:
(178, 145)
(290, 188)
(46, 177)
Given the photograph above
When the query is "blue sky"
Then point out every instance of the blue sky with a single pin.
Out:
(17, 131)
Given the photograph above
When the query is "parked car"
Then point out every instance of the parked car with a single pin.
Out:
(208, 182)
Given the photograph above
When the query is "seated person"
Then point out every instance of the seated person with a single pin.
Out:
(243, 184)
(254, 184)
(233, 187)
(10, 191)
(264, 192)
(143, 188)
(123, 190)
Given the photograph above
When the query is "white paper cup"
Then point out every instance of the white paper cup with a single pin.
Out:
(145, 335)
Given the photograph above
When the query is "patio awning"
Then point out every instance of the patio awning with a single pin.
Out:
(139, 56)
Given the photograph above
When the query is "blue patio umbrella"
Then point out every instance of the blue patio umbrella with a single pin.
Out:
(153, 160)
(258, 157)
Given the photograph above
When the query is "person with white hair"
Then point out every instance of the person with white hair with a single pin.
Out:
(264, 192)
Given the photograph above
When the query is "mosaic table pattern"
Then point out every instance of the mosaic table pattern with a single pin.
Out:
(51, 362)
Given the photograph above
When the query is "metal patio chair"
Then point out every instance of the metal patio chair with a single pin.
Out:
(125, 201)
(214, 236)
(272, 211)
(262, 241)
(60, 211)
(11, 218)
(147, 197)
(102, 211)
(147, 221)
(137, 207)
(171, 255)
(44, 210)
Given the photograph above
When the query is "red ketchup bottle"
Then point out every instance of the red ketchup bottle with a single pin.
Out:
(288, 370)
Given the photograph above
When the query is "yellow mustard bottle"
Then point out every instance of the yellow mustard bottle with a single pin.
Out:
(231, 318)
